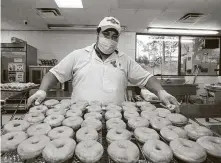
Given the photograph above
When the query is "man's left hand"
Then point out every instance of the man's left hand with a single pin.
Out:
(168, 99)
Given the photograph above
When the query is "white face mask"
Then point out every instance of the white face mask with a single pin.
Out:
(107, 46)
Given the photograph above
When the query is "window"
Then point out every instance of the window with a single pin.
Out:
(200, 55)
(158, 54)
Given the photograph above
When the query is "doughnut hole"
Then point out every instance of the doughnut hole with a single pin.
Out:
(53, 118)
(16, 124)
(35, 142)
(10, 138)
(60, 131)
(158, 148)
(60, 146)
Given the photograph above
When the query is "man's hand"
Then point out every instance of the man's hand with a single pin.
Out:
(168, 100)
(38, 97)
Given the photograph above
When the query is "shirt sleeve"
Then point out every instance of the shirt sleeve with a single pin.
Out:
(136, 74)
(64, 69)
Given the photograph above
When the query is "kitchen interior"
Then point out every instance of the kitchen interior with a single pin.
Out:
(177, 41)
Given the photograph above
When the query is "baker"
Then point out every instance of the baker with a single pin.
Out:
(101, 72)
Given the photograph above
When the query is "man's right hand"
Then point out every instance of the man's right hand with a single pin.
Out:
(38, 97)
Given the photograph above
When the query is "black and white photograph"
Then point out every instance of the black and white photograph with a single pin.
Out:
(110, 81)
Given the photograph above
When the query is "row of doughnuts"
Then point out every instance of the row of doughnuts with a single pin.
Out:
(87, 135)
(167, 124)
(38, 123)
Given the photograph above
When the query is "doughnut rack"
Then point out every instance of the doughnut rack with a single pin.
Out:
(14, 157)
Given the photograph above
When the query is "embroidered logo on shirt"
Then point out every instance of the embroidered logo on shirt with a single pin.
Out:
(114, 63)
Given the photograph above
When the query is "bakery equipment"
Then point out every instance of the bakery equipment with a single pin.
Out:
(185, 109)
(15, 60)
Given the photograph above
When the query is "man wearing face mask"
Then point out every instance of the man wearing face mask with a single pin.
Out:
(100, 72)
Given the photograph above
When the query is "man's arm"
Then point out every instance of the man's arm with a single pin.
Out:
(49, 80)
(140, 77)
(153, 85)
(60, 73)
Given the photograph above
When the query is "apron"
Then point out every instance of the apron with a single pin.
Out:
(99, 81)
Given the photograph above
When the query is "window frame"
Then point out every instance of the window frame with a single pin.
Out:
(179, 49)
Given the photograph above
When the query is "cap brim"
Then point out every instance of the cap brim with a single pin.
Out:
(111, 28)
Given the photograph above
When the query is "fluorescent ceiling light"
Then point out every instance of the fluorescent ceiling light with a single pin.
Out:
(182, 31)
(69, 3)
(71, 27)
(76, 27)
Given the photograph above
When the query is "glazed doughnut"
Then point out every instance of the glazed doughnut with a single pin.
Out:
(86, 133)
(158, 123)
(136, 122)
(94, 123)
(59, 150)
(66, 102)
(177, 119)
(97, 103)
(94, 115)
(163, 112)
(89, 151)
(16, 125)
(39, 109)
(32, 147)
(123, 151)
(54, 120)
(129, 108)
(142, 103)
(149, 114)
(128, 103)
(188, 151)
(117, 134)
(34, 117)
(39, 129)
(56, 112)
(61, 107)
(130, 114)
(112, 114)
(60, 132)
(157, 151)
(73, 122)
(211, 144)
(172, 132)
(149, 107)
(73, 113)
(94, 108)
(143, 134)
(195, 131)
(11, 140)
(51, 103)
(115, 123)
(80, 105)
(113, 107)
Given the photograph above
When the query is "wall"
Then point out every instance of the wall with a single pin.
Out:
(57, 44)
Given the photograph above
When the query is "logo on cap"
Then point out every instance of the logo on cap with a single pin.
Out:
(113, 21)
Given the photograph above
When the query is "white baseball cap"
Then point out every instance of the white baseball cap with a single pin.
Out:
(110, 22)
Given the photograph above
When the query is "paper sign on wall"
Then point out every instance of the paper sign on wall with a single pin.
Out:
(11, 67)
(19, 76)
(19, 67)
(17, 59)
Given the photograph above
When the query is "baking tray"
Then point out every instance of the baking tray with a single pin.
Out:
(20, 90)
(14, 157)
